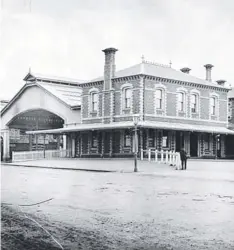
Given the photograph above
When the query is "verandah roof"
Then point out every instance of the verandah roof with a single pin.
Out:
(130, 124)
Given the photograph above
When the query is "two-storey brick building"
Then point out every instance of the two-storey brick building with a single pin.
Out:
(230, 138)
(173, 109)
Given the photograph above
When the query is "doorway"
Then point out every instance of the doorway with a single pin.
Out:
(193, 144)
(179, 140)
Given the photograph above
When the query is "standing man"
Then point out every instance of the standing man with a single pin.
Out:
(183, 157)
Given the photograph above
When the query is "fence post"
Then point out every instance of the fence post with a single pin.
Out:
(142, 154)
(166, 157)
(149, 154)
(161, 156)
(156, 155)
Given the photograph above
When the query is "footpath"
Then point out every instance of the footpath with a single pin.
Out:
(201, 169)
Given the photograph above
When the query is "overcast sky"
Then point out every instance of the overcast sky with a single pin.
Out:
(65, 37)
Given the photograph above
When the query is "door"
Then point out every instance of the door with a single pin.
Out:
(179, 140)
(194, 144)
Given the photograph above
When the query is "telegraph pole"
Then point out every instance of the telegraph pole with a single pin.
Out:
(135, 143)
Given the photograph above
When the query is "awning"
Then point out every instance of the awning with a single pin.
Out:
(130, 124)
(187, 127)
(84, 127)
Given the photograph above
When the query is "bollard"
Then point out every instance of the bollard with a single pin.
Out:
(149, 154)
(156, 155)
(166, 157)
(169, 158)
(161, 156)
(142, 154)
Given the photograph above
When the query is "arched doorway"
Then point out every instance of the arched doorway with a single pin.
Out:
(37, 119)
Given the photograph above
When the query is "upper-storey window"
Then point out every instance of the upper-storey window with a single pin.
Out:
(213, 105)
(159, 99)
(127, 98)
(94, 101)
(181, 101)
(194, 103)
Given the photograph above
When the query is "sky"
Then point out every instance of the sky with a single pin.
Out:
(66, 37)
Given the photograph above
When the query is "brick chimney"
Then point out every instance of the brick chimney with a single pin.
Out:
(185, 70)
(208, 71)
(109, 68)
(221, 82)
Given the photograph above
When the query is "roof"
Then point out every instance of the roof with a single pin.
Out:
(231, 93)
(129, 124)
(36, 76)
(162, 71)
(71, 95)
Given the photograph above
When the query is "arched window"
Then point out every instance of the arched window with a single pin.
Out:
(194, 103)
(94, 101)
(213, 105)
(181, 101)
(127, 93)
(159, 99)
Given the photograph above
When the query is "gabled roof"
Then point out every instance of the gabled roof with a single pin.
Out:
(70, 95)
(162, 71)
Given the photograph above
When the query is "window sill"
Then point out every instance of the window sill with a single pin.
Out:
(93, 112)
(126, 109)
(162, 110)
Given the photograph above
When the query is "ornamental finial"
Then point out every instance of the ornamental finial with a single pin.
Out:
(170, 63)
(142, 58)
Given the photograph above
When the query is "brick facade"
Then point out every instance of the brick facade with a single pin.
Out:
(142, 102)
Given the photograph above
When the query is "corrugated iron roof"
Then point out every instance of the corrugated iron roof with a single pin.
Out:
(162, 71)
(42, 77)
(146, 124)
(69, 94)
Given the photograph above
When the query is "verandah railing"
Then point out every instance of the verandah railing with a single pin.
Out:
(161, 156)
(40, 154)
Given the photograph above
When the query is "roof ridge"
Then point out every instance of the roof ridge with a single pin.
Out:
(157, 64)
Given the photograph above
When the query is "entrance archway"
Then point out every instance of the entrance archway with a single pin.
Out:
(36, 119)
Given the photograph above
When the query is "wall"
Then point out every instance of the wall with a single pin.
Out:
(34, 97)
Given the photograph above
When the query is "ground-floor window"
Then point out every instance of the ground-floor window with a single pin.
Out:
(165, 139)
(94, 142)
(151, 138)
(127, 138)
(206, 138)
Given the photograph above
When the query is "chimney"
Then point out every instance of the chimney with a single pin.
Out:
(109, 68)
(221, 82)
(185, 70)
(208, 71)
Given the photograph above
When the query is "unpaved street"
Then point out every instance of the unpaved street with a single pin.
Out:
(166, 209)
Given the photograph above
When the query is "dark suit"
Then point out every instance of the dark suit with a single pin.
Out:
(183, 157)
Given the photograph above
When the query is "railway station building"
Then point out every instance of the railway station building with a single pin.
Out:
(170, 108)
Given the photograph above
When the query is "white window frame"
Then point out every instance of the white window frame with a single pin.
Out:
(124, 87)
(92, 92)
(185, 103)
(214, 96)
(197, 94)
(181, 103)
(161, 88)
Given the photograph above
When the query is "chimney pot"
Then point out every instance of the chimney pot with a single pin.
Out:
(221, 82)
(185, 70)
(208, 71)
